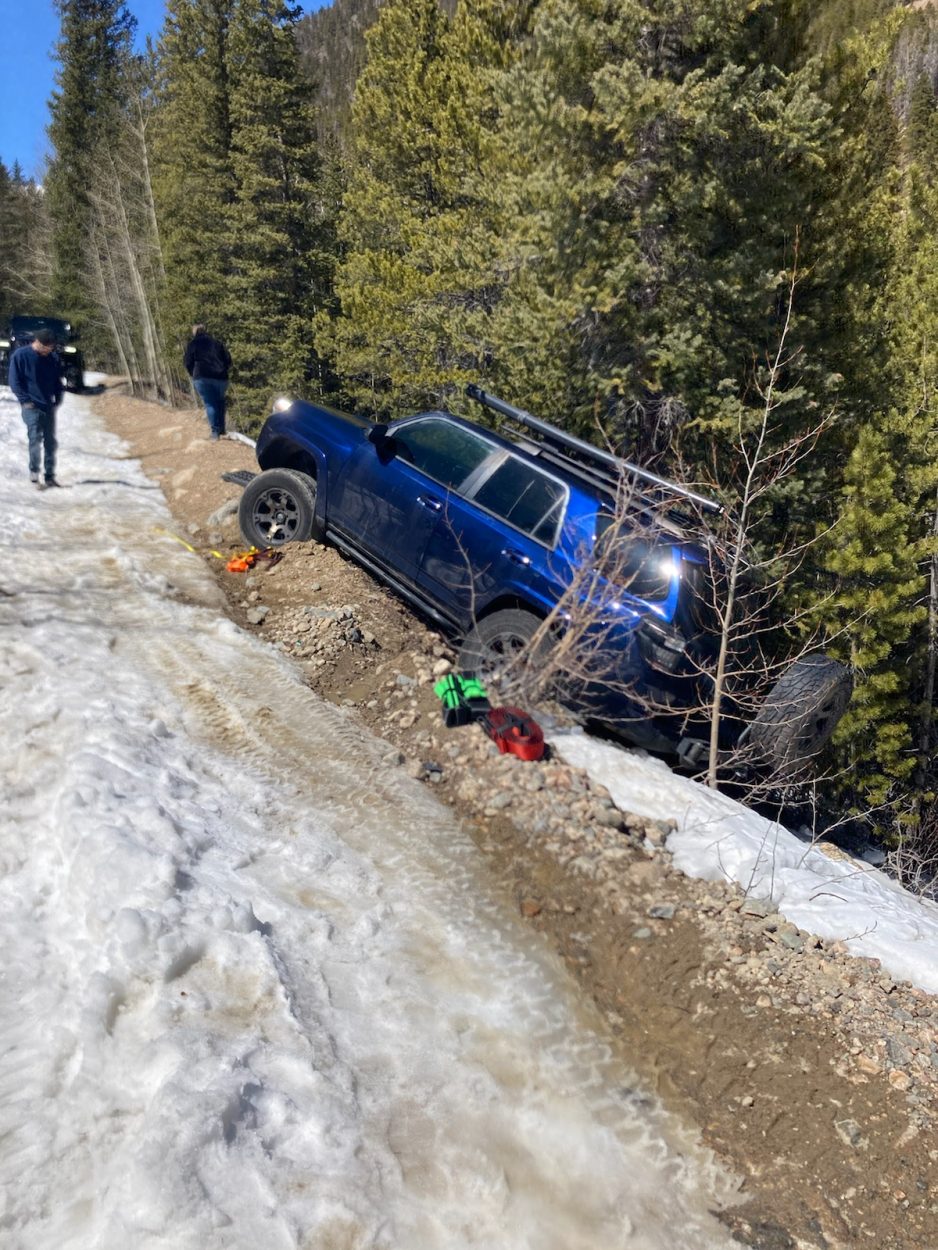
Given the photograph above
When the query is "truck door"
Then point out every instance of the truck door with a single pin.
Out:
(392, 493)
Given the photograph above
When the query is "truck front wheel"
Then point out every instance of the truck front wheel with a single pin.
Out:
(278, 507)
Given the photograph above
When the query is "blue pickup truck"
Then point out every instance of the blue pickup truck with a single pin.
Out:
(541, 550)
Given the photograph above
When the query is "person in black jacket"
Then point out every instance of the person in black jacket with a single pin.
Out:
(207, 363)
(36, 381)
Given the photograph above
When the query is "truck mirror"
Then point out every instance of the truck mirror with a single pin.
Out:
(384, 442)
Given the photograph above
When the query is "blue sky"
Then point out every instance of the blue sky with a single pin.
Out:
(27, 69)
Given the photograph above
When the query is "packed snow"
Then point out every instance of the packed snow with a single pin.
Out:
(257, 989)
(717, 839)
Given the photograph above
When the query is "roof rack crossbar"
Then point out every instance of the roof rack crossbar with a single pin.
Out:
(602, 460)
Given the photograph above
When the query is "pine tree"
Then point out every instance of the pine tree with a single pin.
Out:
(93, 48)
(885, 273)
(646, 257)
(278, 237)
(879, 603)
(193, 181)
(8, 232)
(24, 246)
(419, 227)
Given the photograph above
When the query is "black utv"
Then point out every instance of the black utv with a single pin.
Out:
(22, 330)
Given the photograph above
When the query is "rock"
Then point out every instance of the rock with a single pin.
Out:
(498, 802)
(757, 907)
(257, 616)
(899, 1080)
(425, 770)
(642, 934)
(228, 509)
(440, 668)
(608, 817)
(897, 1052)
(849, 1133)
(657, 831)
(661, 911)
(789, 937)
(530, 907)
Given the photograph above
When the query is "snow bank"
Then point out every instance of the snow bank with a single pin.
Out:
(717, 838)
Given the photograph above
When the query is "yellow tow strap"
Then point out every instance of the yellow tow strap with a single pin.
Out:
(188, 546)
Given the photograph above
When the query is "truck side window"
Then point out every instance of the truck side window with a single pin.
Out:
(524, 498)
(444, 451)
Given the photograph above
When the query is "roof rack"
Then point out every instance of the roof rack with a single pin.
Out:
(600, 467)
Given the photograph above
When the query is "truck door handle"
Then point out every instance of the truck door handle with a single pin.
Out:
(427, 501)
(516, 557)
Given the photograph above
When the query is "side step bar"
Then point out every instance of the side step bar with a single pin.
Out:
(240, 477)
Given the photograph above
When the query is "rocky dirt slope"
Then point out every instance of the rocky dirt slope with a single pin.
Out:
(810, 1071)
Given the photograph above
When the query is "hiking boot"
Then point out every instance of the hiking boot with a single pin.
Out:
(34, 478)
(50, 481)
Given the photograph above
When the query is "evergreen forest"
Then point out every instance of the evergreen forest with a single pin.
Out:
(701, 232)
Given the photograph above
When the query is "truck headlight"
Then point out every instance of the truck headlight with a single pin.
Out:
(71, 349)
(282, 403)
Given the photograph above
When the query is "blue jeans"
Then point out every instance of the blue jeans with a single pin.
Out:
(40, 430)
(211, 391)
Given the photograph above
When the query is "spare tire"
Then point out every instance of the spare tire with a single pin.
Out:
(800, 713)
(278, 507)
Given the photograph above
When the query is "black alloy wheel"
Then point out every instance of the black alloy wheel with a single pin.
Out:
(278, 507)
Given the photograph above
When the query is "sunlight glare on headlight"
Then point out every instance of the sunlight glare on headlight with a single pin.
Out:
(282, 403)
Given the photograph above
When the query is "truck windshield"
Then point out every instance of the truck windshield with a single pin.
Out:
(23, 327)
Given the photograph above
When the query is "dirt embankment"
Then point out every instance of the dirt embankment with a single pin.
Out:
(811, 1072)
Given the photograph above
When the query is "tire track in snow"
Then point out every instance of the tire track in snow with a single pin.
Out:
(277, 1002)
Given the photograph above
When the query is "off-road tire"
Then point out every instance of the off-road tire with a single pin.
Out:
(278, 507)
(497, 642)
(800, 713)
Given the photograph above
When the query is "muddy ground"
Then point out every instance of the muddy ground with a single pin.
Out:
(784, 1059)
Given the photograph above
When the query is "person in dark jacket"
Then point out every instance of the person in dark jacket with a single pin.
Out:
(36, 381)
(207, 363)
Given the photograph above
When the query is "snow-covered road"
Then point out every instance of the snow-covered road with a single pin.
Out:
(256, 990)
